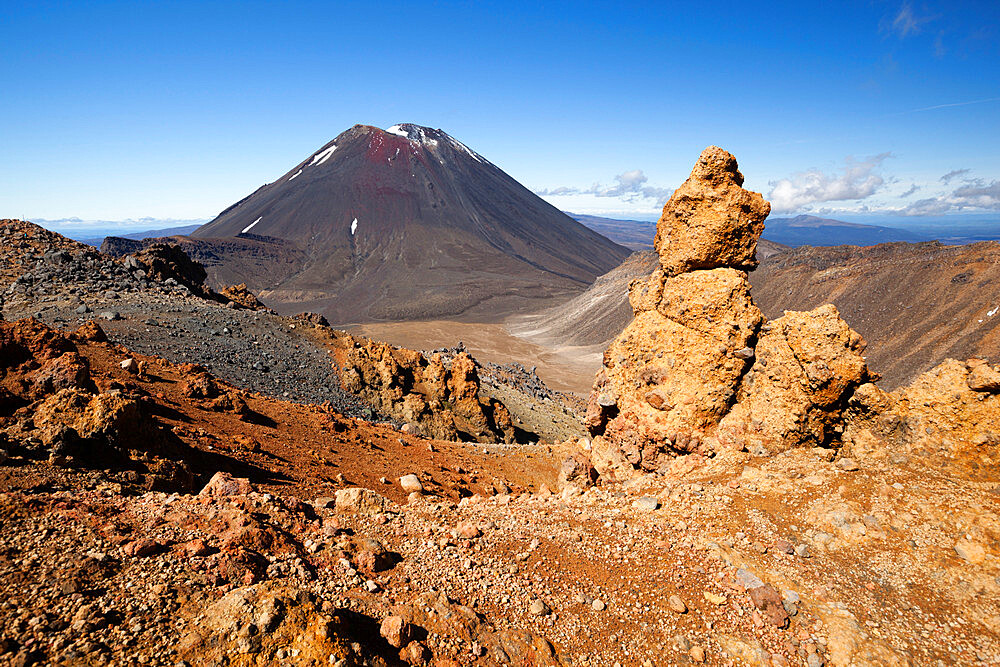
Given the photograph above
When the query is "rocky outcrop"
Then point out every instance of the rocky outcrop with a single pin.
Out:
(242, 297)
(51, 410)
(435, 397)
(699, 368)
(166, 261)
(118, 246)
(674, 372)
(951, 414)
(806, 366)
(36, 361)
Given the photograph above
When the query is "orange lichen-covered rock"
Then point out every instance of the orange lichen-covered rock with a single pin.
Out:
(241, 296)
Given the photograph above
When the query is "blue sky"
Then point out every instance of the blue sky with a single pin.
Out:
(177, 109)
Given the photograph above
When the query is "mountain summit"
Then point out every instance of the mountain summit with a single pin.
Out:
(410, 223)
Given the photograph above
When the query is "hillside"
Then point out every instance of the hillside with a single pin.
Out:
(591, 318)
(915, 304)
(409, 223)
(634, 234)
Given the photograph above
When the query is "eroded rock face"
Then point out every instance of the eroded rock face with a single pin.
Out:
(948, 413)
(437, 398)
(51, 409)
(241, 296)
(165, 261)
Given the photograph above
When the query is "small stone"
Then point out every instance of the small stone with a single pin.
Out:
(847, 465)
(129, 366)
(197, 548)
(396, 631)
(969, 551)
(646, 503)
(71, 586)
(784, 546)
(140, 548)
(677, 605)
(111, 315)
(715, 598)
(767, 600)
(411, 483)
(360, 500)
(467, 530)
(747, 579)
(598, 605)
(538, 608)
(223, 484)
(802, 551)
(697, 654)
(371, 586)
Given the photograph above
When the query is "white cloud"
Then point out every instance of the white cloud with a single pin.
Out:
(630, 186)
(803, 189)
(975, 194)
(955, 173)
(979, 194)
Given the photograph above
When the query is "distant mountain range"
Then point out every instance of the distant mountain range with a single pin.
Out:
(809, 230)
(183, 230)
(634, 234)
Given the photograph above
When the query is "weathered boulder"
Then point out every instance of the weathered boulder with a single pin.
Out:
(807, 364)
(224, 484)
(197, 382)
(710, 220)
(363, 501)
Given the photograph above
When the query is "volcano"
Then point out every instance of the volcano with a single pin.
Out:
(409, 223)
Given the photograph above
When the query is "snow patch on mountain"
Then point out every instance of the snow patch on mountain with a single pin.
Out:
(414, 133)
(322, 156)
(250, 226)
